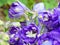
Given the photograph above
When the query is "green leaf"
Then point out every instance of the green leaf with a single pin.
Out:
(2, 2)
(29, 14)
(21, 19)
(36, 21)
(28, 3)
(49, 4)
(23, 1)
(10, 1)
(6, 13)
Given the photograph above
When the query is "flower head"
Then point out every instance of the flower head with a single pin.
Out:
(14, 30)
(39, 7)
(17, 9)
(29, 33)
(14, 39)
(50, 38)
(49, 20)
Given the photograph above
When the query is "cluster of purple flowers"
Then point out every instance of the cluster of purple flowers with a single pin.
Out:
(30, 34)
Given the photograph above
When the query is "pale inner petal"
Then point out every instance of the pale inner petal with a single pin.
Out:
(47, 43)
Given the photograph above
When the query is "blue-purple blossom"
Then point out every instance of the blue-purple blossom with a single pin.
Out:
(49, 20)
(17, 9)
(13, 30)
(57, 12)
(51, 38)
(29, 33)
(13, 38)
(39, 7)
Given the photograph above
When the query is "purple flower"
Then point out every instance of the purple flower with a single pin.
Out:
(17, 9)
(39, 7)
(49, 20)
(49, 38)
(57, 12)
(29, 33)
(13, 30)
(20, 42)
(44, 16)
(13, 38)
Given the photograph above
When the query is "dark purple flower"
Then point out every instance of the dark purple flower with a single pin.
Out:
(13, 30)
(13, 38)
(49, 38)
(20, 42)
(29, 33)
(57, 12)
(49, 20)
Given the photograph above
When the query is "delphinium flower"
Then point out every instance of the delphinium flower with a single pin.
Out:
(49, 38)
(13, 30)
(57, 12)
(47, 17)
(38, 10)
(14, 36)
(17, 9)
(29, 34)
(49, 20)
(39, 7)
(13, 39)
